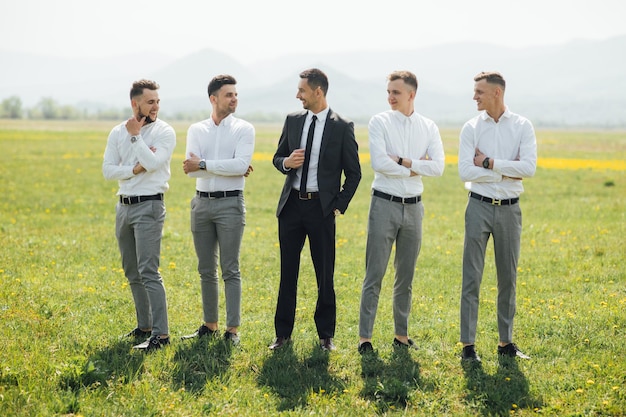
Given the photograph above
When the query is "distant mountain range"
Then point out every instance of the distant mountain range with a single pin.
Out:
(578, 84)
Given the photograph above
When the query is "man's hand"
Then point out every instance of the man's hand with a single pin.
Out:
(407, 163)
(479, 157)
(248, 171)
(138, 169)
(295, 160)
(191, 164)
(133, 126)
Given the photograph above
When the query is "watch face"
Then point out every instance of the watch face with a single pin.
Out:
(202, 165)
(133, 139)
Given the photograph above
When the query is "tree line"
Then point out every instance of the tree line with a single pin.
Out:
(49, 109)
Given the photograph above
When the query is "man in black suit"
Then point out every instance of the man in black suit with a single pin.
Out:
(316, 146)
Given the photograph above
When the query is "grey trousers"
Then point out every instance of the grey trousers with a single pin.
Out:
(390, 222)
(139, 228)
(217, 226)
(504, 223)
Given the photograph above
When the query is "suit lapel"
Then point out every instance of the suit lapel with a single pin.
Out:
(328, 128)
(298, 124)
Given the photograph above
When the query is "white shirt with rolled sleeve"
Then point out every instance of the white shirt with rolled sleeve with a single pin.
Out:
(510, 143)
(227, 149)
(121, 156)
(391, 133)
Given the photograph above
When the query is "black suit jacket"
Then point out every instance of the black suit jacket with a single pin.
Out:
(339, 153)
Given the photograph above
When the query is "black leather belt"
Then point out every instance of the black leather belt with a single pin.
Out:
(218, 194)
(306, 196)
(403, 200)
(126, 201)
(493, 201)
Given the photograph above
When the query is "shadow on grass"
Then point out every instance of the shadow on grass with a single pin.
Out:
(113, 363)
(199, 360)
(389, 385)
(294, 380)
(498, 394)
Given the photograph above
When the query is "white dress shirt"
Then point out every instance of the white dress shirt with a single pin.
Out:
(311, 183)
(512, 146)
(227, 149)
(120, 157)
(391, 133)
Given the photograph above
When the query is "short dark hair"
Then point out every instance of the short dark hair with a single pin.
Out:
(491, 77)
(316, 78)
(218, 81)
(140, 85)
(407, 76)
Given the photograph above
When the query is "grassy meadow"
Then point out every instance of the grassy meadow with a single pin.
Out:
(64, 300)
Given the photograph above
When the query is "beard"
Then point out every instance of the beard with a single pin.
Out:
(148, 118)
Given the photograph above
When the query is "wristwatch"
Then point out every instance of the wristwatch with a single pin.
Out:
(486, 163)
(202, 164)
(399, 161)
(133, 139)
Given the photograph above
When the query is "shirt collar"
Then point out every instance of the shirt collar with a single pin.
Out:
(321, 116)
(402, 118)
(507, 114)
(225, 121)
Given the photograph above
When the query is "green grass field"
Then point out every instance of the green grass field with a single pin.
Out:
(64, 301)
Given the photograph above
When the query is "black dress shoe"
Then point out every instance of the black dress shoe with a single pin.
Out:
(137, 333)
(410, 345)
(202, 331)
(327, 344)
(231, 338)
(153, 343)
(469, 354)
(512, 350)
(365, 347)
(279, 342)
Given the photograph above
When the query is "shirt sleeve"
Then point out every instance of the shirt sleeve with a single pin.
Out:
(434, 166)
(193, 146)
(112, 167)
(380, 159)
(239, 163)
(164, 143)
(467, 170)
(526, 163)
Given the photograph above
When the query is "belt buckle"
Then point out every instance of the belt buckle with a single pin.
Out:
(304, 196)
(495, 202)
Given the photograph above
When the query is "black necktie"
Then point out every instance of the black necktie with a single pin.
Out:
(307, 156)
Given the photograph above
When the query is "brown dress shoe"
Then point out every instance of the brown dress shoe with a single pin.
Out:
(279, 342)
(327, 344)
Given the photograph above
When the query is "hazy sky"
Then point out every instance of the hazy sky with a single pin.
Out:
(251, 30)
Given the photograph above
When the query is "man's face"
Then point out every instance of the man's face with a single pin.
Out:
(225, 100)
(399, 96)
(308, 96)
(147, 105)
(485, 95)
